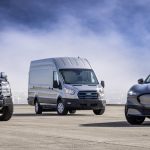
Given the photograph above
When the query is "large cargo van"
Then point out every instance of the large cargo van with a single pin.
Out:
(65, 85)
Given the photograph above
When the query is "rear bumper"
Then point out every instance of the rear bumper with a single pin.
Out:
(5, 101)
(84, 104)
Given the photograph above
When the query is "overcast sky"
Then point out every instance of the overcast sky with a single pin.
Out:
(113, 35)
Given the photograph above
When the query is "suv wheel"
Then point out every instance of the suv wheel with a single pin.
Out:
(7, 112)
(61, 109)
(99, 111)
(38, 108)
(133, 120)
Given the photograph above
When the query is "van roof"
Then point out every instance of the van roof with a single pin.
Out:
(66, 62)
(72, 62)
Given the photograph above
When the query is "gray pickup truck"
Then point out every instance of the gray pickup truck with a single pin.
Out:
(6, 104)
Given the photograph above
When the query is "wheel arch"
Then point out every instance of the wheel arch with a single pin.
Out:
(59, 99)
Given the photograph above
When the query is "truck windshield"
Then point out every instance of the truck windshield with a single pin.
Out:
(79, 76)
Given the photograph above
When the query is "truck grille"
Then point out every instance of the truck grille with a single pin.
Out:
(88, 95)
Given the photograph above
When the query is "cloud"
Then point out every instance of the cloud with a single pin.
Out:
(92, 32)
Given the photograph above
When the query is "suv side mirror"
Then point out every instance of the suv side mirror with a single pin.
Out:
(103, 83)
(140, 81)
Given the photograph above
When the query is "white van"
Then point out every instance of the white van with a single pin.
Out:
(65, 85)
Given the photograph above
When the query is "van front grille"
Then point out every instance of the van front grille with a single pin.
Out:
(88, 95)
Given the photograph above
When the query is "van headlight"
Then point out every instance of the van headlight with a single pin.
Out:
(69, 91)
(132, 93)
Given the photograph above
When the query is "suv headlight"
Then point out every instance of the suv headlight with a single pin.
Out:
(69, 91)
(132, 93)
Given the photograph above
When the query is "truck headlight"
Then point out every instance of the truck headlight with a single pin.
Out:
(69, 91)
(101, 93)
(132, 93)
(101, 90)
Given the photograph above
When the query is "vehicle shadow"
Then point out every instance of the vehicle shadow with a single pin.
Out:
(46, 115)
(115, 124)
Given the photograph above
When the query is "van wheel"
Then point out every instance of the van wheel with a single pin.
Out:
(134, 120)
(61, 109)
(38, 108)
(72, 111)
(99, 111)
(7, 112)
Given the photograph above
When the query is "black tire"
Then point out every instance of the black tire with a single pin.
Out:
(99, 111)
(38, 108)
(7, 112)
(61, 109)
(72, 111)
(133, 120)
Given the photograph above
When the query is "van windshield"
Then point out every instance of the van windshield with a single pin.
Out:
(79, 76)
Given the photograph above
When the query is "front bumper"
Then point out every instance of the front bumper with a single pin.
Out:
(84, 104)
(5, 101)
(138, 110)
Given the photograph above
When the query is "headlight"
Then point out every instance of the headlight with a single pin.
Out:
(101, 90)
(132, 93)
(69, 91)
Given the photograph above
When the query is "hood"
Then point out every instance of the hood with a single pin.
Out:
(141, 88)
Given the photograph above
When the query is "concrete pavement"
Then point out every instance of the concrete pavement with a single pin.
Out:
(82, 131)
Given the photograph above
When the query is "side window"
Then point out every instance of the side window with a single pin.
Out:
(55, 78)
(56, 82)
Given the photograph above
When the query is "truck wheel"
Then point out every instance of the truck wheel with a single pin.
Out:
(61, 109)
(7, 112)
(38, 108)
(72, 111)
(99, 111)
(133, 120)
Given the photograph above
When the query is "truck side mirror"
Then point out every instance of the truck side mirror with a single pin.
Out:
(103, 83)
(140, 81)
(3, 75)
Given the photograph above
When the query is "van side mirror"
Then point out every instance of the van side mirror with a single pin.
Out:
(140, 81)
(103, 83)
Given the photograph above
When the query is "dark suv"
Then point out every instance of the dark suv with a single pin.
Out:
(6, 104)
(138, 102)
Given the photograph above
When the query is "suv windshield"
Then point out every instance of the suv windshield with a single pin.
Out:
(147, 79)
(79, 76)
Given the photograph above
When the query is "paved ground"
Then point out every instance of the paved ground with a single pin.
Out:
(83, 131)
